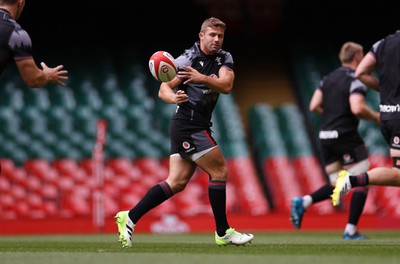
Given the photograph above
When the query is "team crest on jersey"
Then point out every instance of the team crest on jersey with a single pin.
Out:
(208, 91)
(186, 144)
(396, 140)
(218, 59)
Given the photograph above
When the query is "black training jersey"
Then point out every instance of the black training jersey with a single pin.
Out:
(337, 117)
(202, 99)
(387, 54)
(15, 43)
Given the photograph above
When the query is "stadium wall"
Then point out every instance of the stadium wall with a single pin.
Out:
(278, 222)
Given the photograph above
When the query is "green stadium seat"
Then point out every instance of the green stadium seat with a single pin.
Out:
(62, 97)
(294, 130)
(64, 149)
(265, 132)
(229, 127)
(37, 98)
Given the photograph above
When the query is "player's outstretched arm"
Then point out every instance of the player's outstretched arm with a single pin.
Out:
(35, 77)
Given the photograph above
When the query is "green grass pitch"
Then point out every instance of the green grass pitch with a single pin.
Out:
(272, 247)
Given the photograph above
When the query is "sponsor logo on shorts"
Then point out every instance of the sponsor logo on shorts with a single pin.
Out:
(396, 142)
(186, 145)
(189, 150)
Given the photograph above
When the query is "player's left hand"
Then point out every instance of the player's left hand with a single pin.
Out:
(55, 75)
(191, 75)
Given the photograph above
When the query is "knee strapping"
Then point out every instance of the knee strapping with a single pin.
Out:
(333, 178)
(359, 167)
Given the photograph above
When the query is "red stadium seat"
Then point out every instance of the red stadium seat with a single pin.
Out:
(124, 166)
(21, 207)
(51, 208)
(66, 167)
(19, 176)
(152, 167)
(194, 200)
(36, 166)
(87, 165)
(243, 175)
(49, 192)
(7, 201)
(111, 206)
(282, 181)
(18, 192)
(65, 183)
(42, 169)
(78, 202)
(112, 191)
(311, 178)
(7, 167)
(128, 200)
(5, 185)
(33, 183)
(37, 214)
(167, 207)
(71, 168)
(35, 201)
(121, 181)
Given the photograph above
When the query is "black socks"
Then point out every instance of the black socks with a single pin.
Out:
(359, 180)
(217, 196)
(154, 196)
(322, 193)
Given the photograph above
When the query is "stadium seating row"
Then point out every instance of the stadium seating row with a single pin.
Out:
(298, 172)
(283, 150)
(64, 188)
(48, 136)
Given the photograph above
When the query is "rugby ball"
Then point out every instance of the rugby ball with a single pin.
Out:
(162, 66)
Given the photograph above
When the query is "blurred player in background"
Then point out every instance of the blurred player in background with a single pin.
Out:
(16, 46)
(340, 99)
(384, 59)
(205, 71)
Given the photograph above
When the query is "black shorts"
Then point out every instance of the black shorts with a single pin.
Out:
(187, 139)
(348, 149)
(391, 132)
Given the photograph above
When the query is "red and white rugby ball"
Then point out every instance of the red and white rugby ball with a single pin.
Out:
(162, 66)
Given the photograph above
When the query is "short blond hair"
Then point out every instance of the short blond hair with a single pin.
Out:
(212, 22)
(348, 51)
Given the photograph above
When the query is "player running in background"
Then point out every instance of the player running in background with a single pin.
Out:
(16, 46)
(205, 71)
(383, 58)
(340, 99)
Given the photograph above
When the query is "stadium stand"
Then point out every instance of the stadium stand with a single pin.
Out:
(48, 137)
(289, 167)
